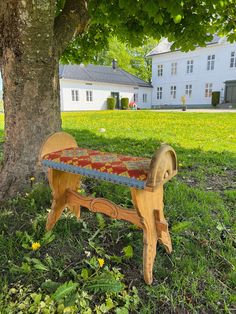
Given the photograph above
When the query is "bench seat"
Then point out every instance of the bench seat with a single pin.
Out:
(67, 163)
(126, 170)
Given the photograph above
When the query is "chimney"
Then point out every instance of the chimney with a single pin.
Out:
(114, 64)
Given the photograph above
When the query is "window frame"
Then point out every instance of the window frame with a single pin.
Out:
(190, 64)
(89, 95)
(211, 62)
(232, 63)
(160, 70)
(135, 97)
(188, 90)
(208, 90)
(75, 95)
(173, 91)
(145, 98)
(174, 68)
(159, 92)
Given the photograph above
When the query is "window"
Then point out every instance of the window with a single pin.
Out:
(173, 92)
(136, 97)
(89, 95)
(190, 66)
(233, 59)
(188, 90)
(159, 92)
(210, 62)
(160, 70)
(75, 95)
(173, 68)
(144, 97)
(208, 89)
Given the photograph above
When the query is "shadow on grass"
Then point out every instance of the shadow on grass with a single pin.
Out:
(206, 167)
(197, 277)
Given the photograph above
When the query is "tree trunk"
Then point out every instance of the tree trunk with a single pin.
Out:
(30, 91)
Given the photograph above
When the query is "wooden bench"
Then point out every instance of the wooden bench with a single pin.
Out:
(145, 177)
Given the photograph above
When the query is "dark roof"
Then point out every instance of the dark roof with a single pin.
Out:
(99, 73)
(165, 46)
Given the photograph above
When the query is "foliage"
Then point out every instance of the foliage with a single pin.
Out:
(72, 299)
(133, 22)
(131, 59)
(124, 103)
(198, 277)
(111, 102)
(215, 98)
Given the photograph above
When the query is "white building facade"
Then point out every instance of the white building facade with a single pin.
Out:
(194, 75)
(88, 87)
(78, 95)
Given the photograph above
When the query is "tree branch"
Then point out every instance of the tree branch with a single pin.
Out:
(72, 21)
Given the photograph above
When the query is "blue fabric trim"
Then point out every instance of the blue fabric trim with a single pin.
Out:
(110, 177)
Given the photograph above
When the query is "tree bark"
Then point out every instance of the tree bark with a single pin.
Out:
(30, 90)
(31, 42)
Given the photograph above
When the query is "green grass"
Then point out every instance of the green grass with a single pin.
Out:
(198, 277)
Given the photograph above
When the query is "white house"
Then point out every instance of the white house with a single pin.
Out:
(193, 74)
(88, 87)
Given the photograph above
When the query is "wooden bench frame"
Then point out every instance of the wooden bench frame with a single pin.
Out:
(148, 203)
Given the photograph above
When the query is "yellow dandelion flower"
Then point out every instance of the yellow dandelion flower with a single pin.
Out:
(101, 262)
(35, 246)
(32, 178)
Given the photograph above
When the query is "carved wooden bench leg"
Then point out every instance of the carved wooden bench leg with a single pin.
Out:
(60, 182)
(149, 206)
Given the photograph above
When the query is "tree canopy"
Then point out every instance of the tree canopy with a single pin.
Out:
(131, 59)
(186, 23)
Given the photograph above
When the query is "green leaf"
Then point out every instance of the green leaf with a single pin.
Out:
(101, 221)
(25, 268)
(181, 226)
(177, 19)
(48, 237)
(71, 299)
(122, 310)
(128, 251)
(84, 273)
(39, 265)
(64, 290)
(50, 286)
(104, 283)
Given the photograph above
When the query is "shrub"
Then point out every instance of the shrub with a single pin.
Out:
(215, 98)
(111, 103)
(124, 103)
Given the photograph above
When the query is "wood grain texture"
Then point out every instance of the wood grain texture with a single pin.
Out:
(147, 213)
(163, 167)
(60, 182)
(55, 142)
(155, 227)
(102, 205)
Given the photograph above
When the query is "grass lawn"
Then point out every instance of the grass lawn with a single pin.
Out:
(66, 274)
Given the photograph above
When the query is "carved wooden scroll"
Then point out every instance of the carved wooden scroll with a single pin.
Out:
(102, 205)
(147, 213)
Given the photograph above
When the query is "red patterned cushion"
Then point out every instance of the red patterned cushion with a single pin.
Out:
(126, 166)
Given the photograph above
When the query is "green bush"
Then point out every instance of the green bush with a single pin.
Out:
(111, 103)
(215, 98)
(124, 103)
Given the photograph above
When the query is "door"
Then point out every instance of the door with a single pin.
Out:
(117, 98)
(231, 94)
